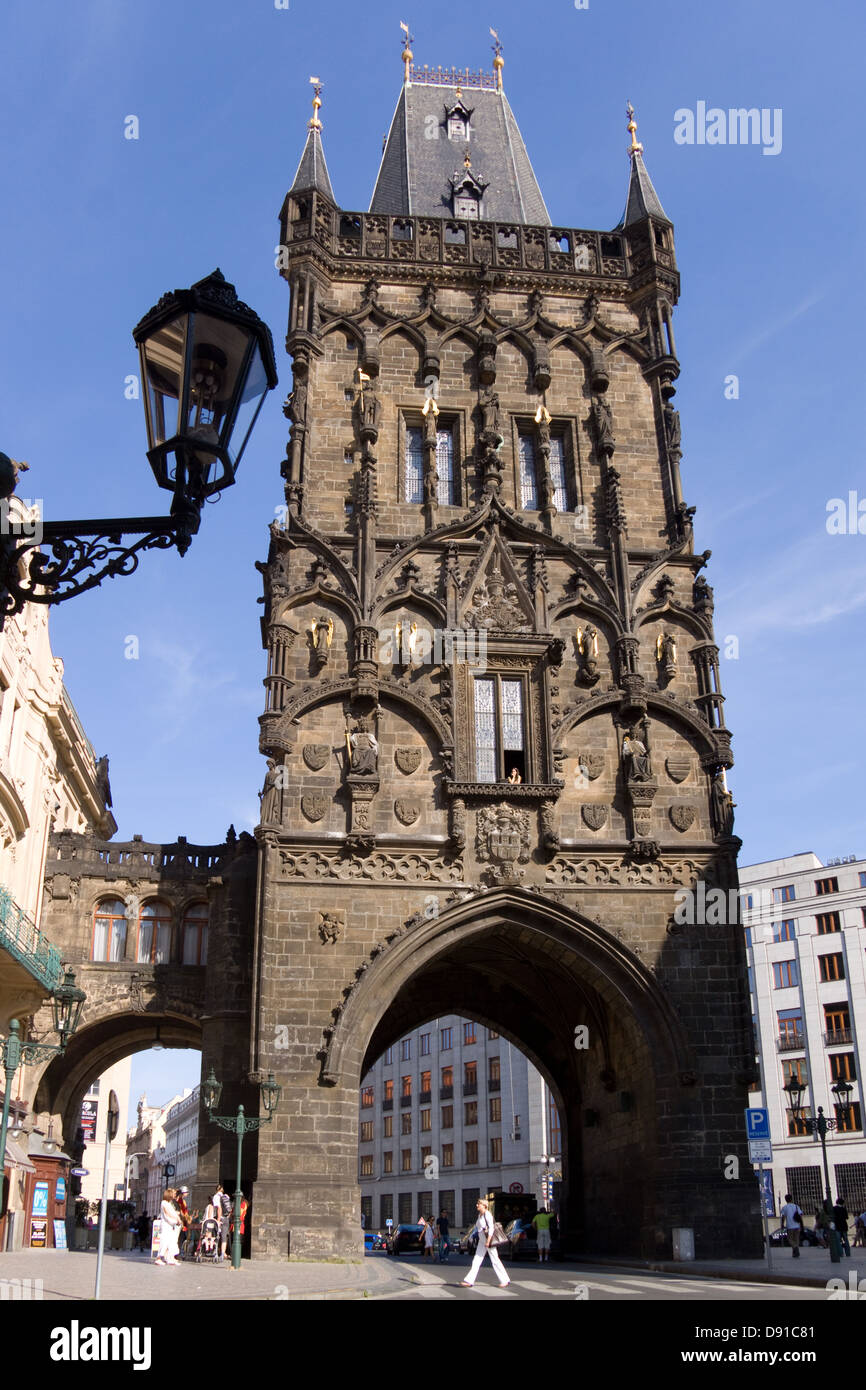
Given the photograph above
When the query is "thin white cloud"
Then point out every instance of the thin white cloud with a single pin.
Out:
(777, 325)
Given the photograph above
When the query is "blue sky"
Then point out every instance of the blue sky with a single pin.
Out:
(97, 227)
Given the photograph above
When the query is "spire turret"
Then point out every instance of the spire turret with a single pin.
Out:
(642, 200)
(312, 173)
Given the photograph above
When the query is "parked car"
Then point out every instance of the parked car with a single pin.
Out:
(807, 1237)
(370, 1239)
(404, 1238)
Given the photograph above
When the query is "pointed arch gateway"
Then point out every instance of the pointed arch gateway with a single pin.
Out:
(538, 971)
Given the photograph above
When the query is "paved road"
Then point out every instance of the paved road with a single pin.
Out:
(575, 1282)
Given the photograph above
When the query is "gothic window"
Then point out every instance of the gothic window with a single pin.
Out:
(456, 128)
(466, 206)
(558, 472)
(413, 466)
(500, 744)
(413, 477)
(154, 933)
(109, 931)
(447, 493)
(528, 472)
(558, 463)
(195, 923)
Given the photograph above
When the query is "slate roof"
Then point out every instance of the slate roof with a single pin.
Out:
(642, 200)
(417, 166)
(312, 170)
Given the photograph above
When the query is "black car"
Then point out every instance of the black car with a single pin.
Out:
(807, 1237)
(404, 1238)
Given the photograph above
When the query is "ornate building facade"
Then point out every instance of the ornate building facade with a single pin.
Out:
(493, 721)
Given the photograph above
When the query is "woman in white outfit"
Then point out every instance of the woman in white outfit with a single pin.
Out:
(169, 1230)
(484, 1227)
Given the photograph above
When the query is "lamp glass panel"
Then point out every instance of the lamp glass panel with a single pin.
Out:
(163, 357)
(254, 391)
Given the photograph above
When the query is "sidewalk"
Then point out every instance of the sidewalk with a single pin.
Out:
(812, 1269)
(69, 1275)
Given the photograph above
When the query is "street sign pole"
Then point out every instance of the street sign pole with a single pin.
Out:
(767, 1244)
(111, 1123)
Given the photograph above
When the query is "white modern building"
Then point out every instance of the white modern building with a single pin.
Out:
(805, 927)
(449, 1113)
(94, 1116)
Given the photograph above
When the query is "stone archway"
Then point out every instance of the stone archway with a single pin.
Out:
(536, 970)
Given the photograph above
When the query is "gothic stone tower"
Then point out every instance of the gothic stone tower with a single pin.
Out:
(494, 724)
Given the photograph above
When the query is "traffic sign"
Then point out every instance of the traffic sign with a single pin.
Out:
(389, 1222)
(757, 1124)
(760, 1151)
(79, 1172)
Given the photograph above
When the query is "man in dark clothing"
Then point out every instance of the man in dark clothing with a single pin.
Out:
(840, 1221)
(444, 1243)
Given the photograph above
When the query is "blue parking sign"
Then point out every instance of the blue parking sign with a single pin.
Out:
(757, 1124)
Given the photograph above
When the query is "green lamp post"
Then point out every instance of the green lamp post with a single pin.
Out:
(67, 1002)
(240, 1125)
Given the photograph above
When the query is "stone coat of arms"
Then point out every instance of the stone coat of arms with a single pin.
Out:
(594, 816)
(314, 807)
(683, 816)
(592, 764)
(408, 760)
(407, 812)
(316, 755)
(502, 840)
(678, 769)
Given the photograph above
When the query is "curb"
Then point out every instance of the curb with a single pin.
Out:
(806, 1281)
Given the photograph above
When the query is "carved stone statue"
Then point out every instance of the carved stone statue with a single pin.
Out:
(490, 417)
(666, 654)
(702, 596)
(369, 409)
(272, 795)
(722, 806)
(673, 432)
(364, 750)
(602, 419)
(295, 408)
(637, 758)
(321, 634)
(587, 646)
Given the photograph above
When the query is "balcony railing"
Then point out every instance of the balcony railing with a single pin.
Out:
(388, 1104)
(20, 936)
(470, 1088)
(446, 1092)
(405, 1101)
(424, 1097)
(493, 1083)
(834, 1037)
(791, 1042)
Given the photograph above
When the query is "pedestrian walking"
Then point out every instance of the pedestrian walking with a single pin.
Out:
(792, 1221)
(222, 1214)
(860, 1229)
(840, 1221)
(443, 1227)
(485, 1228)
(822, 1226)
(185, 1219)
(428, 1235)
(541, 1222)
(169, 1230)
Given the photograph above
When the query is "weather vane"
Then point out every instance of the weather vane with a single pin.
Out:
(315, 123)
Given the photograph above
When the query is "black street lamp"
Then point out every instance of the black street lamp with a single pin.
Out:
(207, 363)
(238, 1124)
(67, 1002)
(795, 1090)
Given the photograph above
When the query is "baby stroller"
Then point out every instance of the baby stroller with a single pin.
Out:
(209, 1241)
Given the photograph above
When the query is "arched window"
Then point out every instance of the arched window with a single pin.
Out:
(109, 930)
(195, 921)
(154, 933)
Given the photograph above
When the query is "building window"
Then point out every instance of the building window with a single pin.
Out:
(154, 933)
(406, 1122)
(558, 472)
(806, 1186)
(367, 1097)
(406, 1160)
(747, 900)
(413, 472)
(388, 1162)
(466, 205)
(862, 879)
(496, 1150)
(388, 1057)
(831, 967)
(826, 885)
(795, 1070)
(404, 1208)
(447, 1155)
(386, 1209)
(425, 1044)
(367, 1166)
(837, 1024)
(493, 1073)
(790, 1029)
(797, 1127)
(406, 1086)
(491, 1034)
(554, 1128)
(500, 748)
(468, 1033)
(446, 1089)
(848, 1117)
(389, 1090)
(447, 1117)
(426, 1152)
(528, 471)
(406, 1050)
(413, 478)
(447, 1040)
(426, 1119)
(471, 1153)
(426, 1083)
(784, 931)
(470, 1112)
(785, 974)
(366, 1131)
(109, 931)
(828, 922)
(784, 895)
(195, 934)
(843, 1066)
(495, 1110)
(388, 1127)
(470, 1078)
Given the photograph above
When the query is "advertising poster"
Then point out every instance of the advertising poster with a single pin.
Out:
(59, 1235)
(154, 1238)
(60, 1190)
(89, 1110)
(39, 1234)
(40, 1199)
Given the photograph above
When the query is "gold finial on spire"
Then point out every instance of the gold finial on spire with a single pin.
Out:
(314, 123)
(498, 60)
(467, 159)
(635, 147)
(407, 54)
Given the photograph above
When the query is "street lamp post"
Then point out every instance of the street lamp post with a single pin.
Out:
(240, 1125)
(821, 1126)
(207, 363)
(67, 1002)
